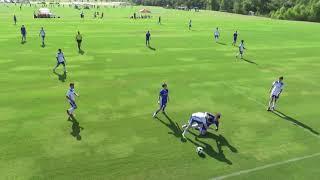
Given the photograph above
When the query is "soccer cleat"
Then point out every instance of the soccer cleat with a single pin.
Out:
(268, 109)
(184, 126)
(154, 115)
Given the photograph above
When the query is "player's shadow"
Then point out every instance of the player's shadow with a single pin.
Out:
(81, 52)
(251, 62)
(296, 122)
(152, 48)
(220, 140)
(221, 43)
(173, 126)
(76, 128)
(61, 77)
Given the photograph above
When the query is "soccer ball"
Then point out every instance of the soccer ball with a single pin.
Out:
(199, 150)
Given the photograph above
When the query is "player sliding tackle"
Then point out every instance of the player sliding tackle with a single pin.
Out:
(202, 121)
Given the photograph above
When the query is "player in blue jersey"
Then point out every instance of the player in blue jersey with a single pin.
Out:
(163, 99)
(148, 38)
(235, 37)
(202, 121)
(23, 34)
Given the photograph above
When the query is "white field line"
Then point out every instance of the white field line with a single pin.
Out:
(265, 167)
(245, 95)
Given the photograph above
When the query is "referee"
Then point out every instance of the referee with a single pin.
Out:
(79, 40)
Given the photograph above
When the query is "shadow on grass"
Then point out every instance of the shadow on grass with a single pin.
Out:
(173, 126)
(296, 122)
(81, 52)
(152, 48)
(209, 150)
(251, 62)
(221, 43)
(61, 77)
(76, 128)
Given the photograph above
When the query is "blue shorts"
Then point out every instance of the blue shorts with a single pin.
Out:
(73, 104)
(163, 104)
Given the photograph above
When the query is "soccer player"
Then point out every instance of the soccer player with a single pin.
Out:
(275, 91)
(79, 40)
(23, 34)
(163, 99)
(42, 34)
(82, 15)
(235, 37)
(202, 121)
(15, 19)
(190, 24)
(159, 20)
(60, 60)
(72, 100)
(216, 34)
(148, 38)
(241, 49)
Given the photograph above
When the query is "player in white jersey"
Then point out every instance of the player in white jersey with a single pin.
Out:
(60, 60)
(42, 34)
(241, 49)
(216, 34)
(275, 91)
(201, 121)
(72, 100)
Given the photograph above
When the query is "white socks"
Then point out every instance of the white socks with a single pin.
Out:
(71, 110)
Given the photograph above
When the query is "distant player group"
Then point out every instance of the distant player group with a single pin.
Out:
(199, 120)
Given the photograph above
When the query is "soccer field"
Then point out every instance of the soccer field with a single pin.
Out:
(118, 79)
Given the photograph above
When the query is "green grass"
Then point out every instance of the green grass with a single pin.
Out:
(118, 80)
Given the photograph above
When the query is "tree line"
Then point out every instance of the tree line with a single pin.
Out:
(304, 10)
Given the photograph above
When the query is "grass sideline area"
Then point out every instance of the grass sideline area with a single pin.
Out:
(119, 78)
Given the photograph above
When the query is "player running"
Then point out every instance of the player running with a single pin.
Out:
(235, 37)
(163, 99)
(216, 34)
(148, 38)
(23, 34)
(276, 90)
(190, 24)
(79, 40)
(42, 34)
(241, 49)
(60, 60)
(202, 121)
(71, 98)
